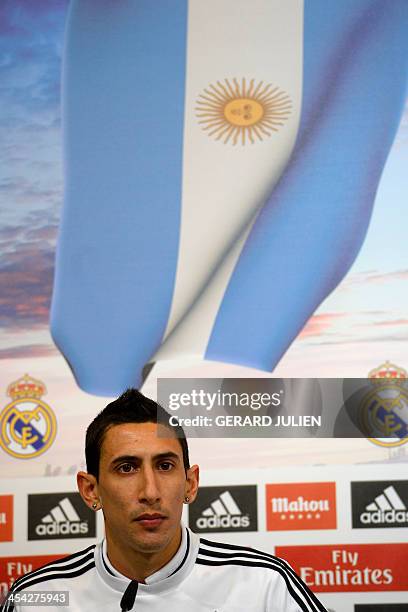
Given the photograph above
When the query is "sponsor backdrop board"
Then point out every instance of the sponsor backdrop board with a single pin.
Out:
(344, 533)
(212, 306)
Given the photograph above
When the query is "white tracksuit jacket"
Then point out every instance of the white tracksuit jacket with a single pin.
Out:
(203, 576)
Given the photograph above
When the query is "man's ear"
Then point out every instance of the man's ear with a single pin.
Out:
(192, 481)
(88, 489)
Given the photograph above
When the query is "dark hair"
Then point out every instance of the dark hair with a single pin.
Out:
(131, 407)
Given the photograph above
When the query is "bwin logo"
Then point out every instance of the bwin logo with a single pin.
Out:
(222, 513)
(62, 520)
(386, 508)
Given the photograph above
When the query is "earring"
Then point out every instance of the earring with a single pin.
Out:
(186, 500)
(95, 505)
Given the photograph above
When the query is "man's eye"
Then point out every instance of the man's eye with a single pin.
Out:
(165, 466)
(126, 468)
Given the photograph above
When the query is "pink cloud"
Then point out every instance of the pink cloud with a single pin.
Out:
(372, 276)
(391, 323)
(319, 324)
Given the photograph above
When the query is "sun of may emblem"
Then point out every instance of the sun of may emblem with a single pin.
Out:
(242, 112)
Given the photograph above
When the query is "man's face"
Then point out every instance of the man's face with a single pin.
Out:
(142, 485)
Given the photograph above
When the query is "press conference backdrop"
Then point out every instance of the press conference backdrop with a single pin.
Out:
(343, 532)
(205, 200)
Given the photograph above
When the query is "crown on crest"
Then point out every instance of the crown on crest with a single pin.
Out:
(388, 371)
(26, 386)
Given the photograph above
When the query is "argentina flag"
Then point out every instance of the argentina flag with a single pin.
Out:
(221, 164)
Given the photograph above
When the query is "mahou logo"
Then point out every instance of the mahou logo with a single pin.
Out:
(380, 504)
(53, 516)
(232, 508)
(305, 505)
(349, 567)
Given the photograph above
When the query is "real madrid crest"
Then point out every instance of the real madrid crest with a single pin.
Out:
(242, 112)
(384, 409)
(27, 425)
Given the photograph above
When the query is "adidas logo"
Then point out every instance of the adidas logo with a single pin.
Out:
(63, 519)
(222, 513)
(386, 508)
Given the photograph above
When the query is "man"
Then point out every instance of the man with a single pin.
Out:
(139, 475)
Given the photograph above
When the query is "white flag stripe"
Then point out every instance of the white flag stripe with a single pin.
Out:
(219, 508)
(190, 338)
(58, 515)
(229, 503)
(394, 498)
(225, 185)
(69, 510)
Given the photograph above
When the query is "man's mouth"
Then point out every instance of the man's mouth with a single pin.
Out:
(150, 520)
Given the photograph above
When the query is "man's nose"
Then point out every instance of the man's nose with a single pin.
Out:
(149, 490)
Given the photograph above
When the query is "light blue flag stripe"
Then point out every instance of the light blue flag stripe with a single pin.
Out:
(123, 98)
(313, 225)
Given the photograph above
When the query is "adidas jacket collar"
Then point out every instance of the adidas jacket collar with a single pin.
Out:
(167, 578)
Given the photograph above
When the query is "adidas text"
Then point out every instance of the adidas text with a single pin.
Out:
(214, 522)
(62, 528)
(387, 516)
